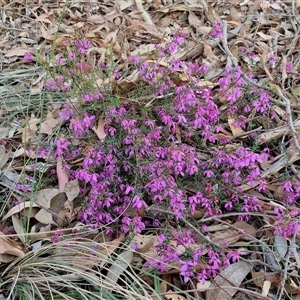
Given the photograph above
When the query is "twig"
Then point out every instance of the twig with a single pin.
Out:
(246, 291)
(235, 214)
(295, 39)
(286, 264)
(290, 119)
(141, 9)
(188, 224)
(245, 133)
(6, 28)
(234, 61)
(295, 171)
(293, 12)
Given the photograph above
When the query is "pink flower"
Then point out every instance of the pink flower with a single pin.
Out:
(187, 270)
(209, 173)
(161, 239)
(202, 276)
(66, 113)
(179, 38)
(138, 202)
(61, 146)
(72, 56)
(289, 67)
(217, 30)
(28, 57)
(60, 61)
(287, 186)
(234, 255)
(172, 47)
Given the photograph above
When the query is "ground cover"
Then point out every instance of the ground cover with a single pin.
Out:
(149, 150)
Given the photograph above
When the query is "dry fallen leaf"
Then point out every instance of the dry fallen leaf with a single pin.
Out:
(119, 266)
(228, 236)
(97, 19)
(99, 130)
(266, 288)
(46, 33)
(143, 49)
(236, 130)
(263, 58)
(246, 228)
(7, 258)
(202, 287)
(72, 189)
(129, 82)
(228, 280)
(173, 296)
(16, 52)
(8, 246)
(193, 19)
(19, 208)
(281, 245)
(59, 210)
(4, 132)
(18, 227)
(124, 4)
(62, 176)
(276, 132)
(283, 66)
(209, 55)
(29, 129)
(43, 199)
(4, 156)
(43, 18)
(40, 232)
(261, 276)
(48, 125)
(143, 242)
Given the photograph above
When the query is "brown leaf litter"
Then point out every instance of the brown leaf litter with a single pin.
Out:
(130, 27)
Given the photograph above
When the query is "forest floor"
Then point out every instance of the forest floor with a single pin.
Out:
(149, 149)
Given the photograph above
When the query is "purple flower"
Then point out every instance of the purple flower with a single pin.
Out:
(187, 270)
(82, 46)
(66, 113)
(272, 58)
(209, 173)
(287, 186)
(139, 225)
(28, 57)
(217, 30)
(234, 95)
(202, 276)
(234, 255)
(289, 67)
(82, 66)
(61, 146)
(72, 56)
(51, 85)
(161, 239)
(136, 60)
(60, 61)
(138, 202)
(179, 38)
(172, 47)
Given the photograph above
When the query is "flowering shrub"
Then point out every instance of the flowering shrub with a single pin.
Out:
(153, 151)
